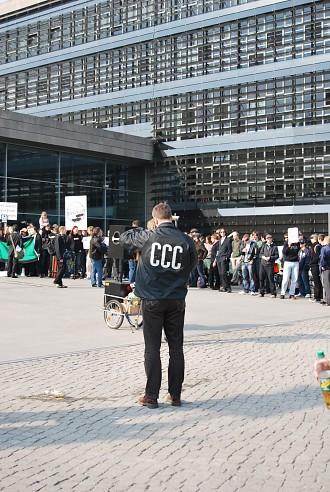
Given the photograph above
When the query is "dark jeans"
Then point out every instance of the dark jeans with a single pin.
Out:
(200, 271)
(267, 272)
(303, 282)
(318, 289)
(167, 314)
(60, 272)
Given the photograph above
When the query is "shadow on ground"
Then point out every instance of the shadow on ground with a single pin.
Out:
(65, 425)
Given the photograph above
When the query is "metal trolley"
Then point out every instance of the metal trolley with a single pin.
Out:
(120, 302)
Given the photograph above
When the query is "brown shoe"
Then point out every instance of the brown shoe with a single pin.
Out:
(148, 402)
(175, 402)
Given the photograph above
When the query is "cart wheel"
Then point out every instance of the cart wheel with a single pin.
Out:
(135, 320)
(113, 314)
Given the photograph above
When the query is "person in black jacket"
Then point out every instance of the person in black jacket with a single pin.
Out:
(167, 256)
(249, 252)
(75, 241)
(61, 245)
(96, 251)
(223, 252)
(268, 254)
(315, 268)
(14, 239)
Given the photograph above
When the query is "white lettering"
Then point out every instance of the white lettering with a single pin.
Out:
(168, 263)
(153, 260)
(165, 250)
(176, 250)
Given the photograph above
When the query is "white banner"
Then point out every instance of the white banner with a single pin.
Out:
(9, 210)
(76, 212)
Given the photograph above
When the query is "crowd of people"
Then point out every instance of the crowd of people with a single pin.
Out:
(77, 254)
(254, 260)
(261, 266)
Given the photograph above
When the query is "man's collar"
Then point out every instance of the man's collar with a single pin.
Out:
(166, 224)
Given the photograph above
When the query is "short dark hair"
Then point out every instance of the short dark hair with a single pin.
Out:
(162, 211)
(136, 223)
(96, 231)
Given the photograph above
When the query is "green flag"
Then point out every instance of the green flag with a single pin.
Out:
(30, 254)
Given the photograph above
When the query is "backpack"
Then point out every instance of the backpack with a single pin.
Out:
(51, 247)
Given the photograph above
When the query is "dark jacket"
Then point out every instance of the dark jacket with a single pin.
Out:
(290, 253)
(201, 250)
(315, 254)
(252, 252)
(269, 251)
(304, 256)
(325, 258)
(75, 242)
(223, 251)
(17, 240)
(96, 249)
(61, 245)
(167, 256)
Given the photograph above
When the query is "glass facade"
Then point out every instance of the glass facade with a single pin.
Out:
(39, 179)
(198, 70)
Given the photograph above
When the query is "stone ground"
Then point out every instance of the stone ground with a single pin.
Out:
(252, 417)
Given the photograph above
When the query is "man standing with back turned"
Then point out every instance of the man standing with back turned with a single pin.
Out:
(166, 259)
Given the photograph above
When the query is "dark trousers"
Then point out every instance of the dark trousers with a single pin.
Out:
(12, 265)
(318, 289)
(267, 272)
(200, 272)
(167, 314)
(44, 262)
(60, 272)
(223, 267)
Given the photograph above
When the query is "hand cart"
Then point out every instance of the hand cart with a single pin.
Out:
(121, 302)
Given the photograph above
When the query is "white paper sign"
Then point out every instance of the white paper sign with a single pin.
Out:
(293, 235)
(9, 209)
(76, 212)
(86, 242)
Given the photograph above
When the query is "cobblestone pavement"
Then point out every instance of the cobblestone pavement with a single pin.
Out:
(252, 417)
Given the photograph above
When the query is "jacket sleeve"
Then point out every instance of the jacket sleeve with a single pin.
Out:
(193, 257)
(135, 239)
(58, 249)
(275, 255)
(214, 252)
(261, 251)
(230, 248)
(204, 252)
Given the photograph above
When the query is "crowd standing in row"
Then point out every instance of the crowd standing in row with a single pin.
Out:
(223, 260)
(261, 266)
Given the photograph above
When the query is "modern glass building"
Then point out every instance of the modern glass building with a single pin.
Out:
(237, 92)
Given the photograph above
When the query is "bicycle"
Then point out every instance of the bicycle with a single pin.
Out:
(118, 307)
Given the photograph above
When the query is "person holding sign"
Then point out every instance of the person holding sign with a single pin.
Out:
(291, 263)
